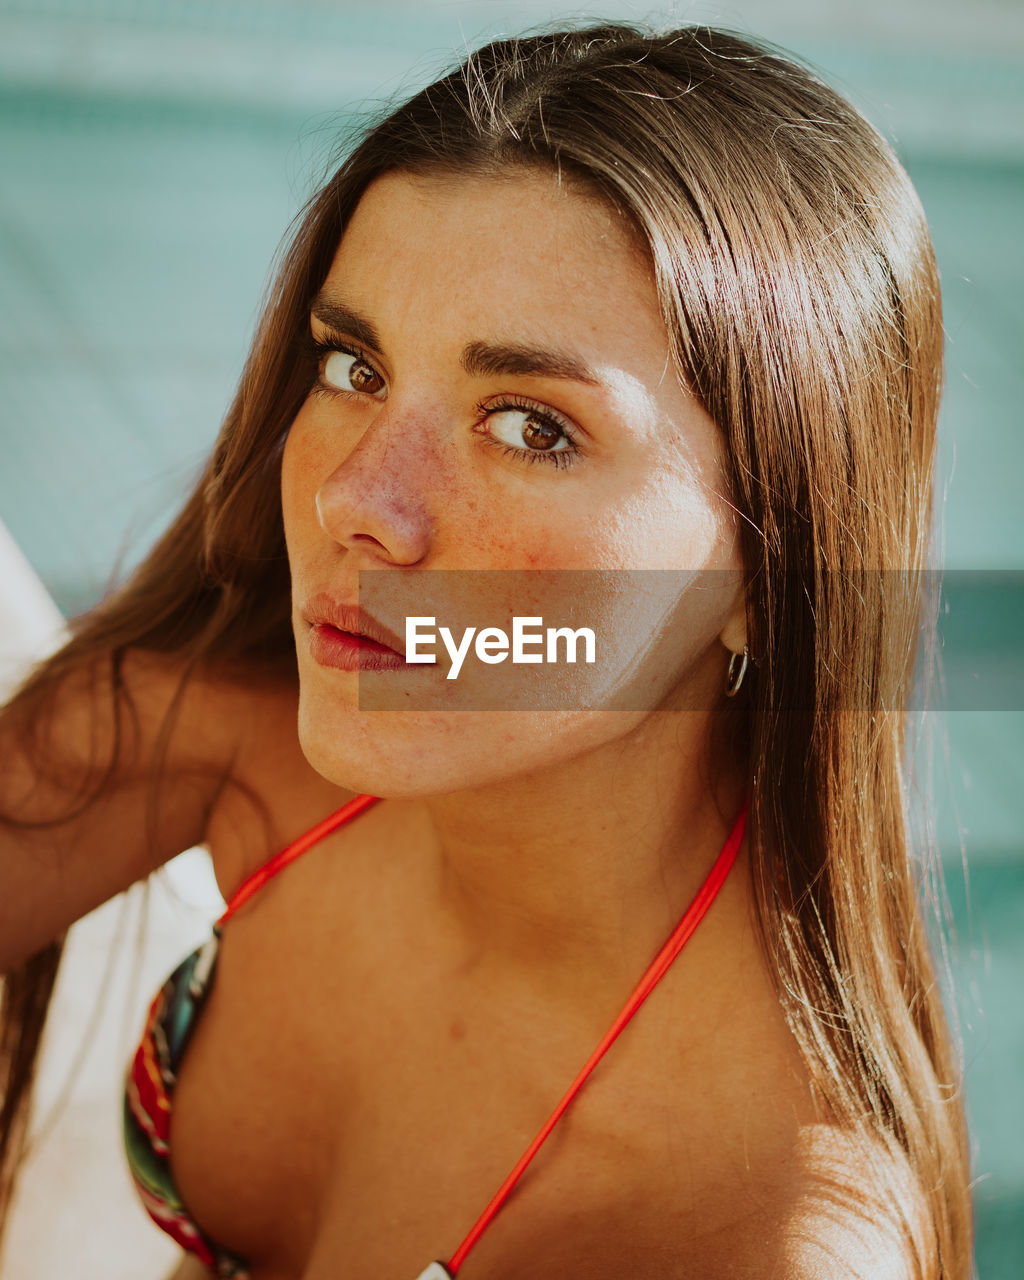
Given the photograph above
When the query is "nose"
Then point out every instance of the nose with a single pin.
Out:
(377, 499)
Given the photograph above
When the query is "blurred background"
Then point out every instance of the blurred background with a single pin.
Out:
(151, 157)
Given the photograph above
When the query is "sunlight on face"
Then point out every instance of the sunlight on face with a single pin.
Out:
(495, 392)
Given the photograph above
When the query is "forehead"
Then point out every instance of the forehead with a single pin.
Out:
(527, 249)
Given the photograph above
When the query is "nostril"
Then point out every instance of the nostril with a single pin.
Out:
(366, 539)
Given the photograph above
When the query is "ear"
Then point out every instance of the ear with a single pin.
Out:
(734, 634)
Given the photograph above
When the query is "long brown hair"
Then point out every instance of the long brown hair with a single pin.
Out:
(799, 286)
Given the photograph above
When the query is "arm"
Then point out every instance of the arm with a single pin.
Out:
(78, 747)
(81, 815)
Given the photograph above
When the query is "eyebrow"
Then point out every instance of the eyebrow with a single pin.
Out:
(483, 358)
(335, 315)
(479, 359)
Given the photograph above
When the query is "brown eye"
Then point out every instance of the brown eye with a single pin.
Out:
(540, 435)
(520, 427)
(347, 372)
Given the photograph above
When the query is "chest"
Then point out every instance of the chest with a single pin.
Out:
(348, 1107)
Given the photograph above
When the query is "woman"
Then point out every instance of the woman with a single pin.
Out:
(599, 301)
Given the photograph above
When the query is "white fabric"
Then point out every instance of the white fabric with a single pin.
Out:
(74, 1185)
(31, 625)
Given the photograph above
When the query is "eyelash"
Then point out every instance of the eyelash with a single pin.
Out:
(317, 351)
(560, 458)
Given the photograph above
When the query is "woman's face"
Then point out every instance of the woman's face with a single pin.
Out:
(496, 393)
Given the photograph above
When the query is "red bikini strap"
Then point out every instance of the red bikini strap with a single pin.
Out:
(252, 884)
(659, 967)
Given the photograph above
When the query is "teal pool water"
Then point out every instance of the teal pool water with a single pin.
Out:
(989, 920)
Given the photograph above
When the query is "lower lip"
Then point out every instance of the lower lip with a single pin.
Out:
(346, 652)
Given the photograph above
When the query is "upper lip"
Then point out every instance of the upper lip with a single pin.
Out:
(324, 609)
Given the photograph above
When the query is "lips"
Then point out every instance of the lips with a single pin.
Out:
(323, 610)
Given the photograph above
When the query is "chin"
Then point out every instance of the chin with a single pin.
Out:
(417, 754)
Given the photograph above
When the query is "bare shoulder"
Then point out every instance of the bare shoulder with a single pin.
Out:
(272, 793)
(242, 722)
(833, 1210)
(854, 1211)
(841, 1207)
(121, 767)
(108, 771)
(826, 1210)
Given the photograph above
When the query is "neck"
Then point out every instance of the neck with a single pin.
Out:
(581, 875)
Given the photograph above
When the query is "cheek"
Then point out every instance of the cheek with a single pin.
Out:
(302, 469)
(698, 520)
(663, 524)
(291, 456)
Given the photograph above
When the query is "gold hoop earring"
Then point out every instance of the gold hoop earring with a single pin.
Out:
(734, 676)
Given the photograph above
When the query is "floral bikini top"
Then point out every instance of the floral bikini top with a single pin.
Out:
(175, 1011)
